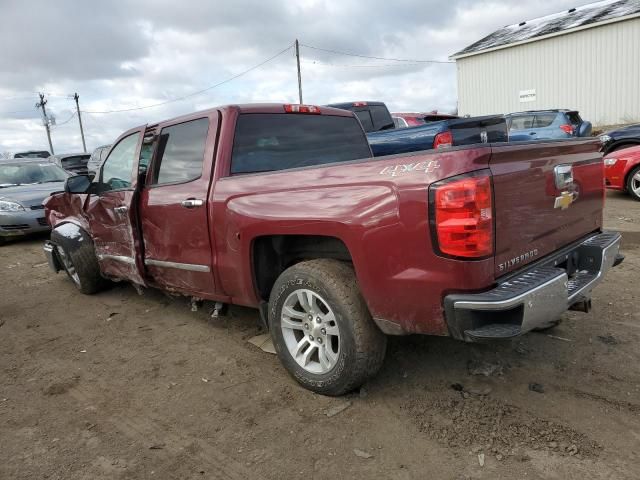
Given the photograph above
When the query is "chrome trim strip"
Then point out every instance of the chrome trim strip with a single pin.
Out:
(117, 258)
(180, 266)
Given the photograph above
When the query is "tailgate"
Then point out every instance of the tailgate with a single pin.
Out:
(546, 195)
(468, 131)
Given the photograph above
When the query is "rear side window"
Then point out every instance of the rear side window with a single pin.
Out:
(521, 122)
(400, 122)
(75, 161)
(266, 142)
(381, 118)
(180, 152)
(365, 119)
(544, 120)
(574, 118)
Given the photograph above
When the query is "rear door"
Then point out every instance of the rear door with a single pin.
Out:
(174, 207)
(111, 210)
(546, 196)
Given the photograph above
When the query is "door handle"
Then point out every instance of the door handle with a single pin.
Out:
(192, 203)
(121, 210)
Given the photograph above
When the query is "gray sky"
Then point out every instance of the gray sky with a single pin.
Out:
(133, 53)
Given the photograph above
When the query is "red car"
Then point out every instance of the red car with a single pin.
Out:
(622, 170)
(402, 120)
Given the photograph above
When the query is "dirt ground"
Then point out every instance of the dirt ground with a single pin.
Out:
(123, 386)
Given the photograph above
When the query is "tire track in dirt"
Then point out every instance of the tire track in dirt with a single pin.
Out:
(612, 402)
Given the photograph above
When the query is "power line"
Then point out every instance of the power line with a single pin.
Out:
(324, 64)
(372, 57)
(199, 91)
(66, 121)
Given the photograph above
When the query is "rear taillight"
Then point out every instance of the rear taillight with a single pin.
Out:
(359, 104)
(462, 216)
(443, 139)
(297, 108)
(567, 129)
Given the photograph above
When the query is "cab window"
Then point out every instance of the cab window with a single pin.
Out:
(181, 152)
(117, 168)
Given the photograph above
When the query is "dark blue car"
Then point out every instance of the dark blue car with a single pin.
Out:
(546, 125)
(625, 137)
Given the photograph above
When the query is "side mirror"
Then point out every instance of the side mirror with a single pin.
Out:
(77, 184)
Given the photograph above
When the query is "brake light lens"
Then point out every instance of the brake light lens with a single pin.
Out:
(567, 129)
(462, 216)
(359, 104)
(297, 108)
(443, 139)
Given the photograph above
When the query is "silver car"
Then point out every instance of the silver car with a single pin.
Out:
(24, 185)
(97, 157)
(75, 163)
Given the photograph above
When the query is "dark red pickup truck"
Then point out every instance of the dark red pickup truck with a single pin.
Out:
(282, 207)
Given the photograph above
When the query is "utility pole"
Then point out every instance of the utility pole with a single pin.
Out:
(84, 145)
(299, 76)
(45, 119)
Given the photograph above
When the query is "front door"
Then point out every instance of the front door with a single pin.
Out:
(110, 210)
(174, 211)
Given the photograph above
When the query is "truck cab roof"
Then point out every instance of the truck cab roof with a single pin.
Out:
(256, 108)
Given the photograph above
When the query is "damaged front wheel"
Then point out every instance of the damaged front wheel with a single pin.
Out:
(78, 258)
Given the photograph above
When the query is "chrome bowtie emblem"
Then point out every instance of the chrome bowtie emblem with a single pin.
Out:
(563, 179)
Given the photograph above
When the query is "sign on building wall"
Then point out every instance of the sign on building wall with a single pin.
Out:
(527, 95)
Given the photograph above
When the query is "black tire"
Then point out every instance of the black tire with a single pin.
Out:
(629, 183)
(362, 344)
(79, 257)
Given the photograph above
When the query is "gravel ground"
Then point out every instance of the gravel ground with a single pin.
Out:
(119, 385)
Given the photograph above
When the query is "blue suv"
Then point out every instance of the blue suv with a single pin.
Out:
(546, 125)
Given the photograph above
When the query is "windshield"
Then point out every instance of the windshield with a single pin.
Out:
(29, 173)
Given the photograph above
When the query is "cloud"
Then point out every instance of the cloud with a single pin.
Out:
(141, 52)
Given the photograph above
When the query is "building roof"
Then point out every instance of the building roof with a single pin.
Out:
(557, 23)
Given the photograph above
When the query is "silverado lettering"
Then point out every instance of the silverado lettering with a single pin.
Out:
(523, 258)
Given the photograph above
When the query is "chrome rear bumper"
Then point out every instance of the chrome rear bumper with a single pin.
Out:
(534, 296)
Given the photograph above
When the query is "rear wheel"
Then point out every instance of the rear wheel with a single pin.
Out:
(322, 329)
(633, 183)
(79, 262)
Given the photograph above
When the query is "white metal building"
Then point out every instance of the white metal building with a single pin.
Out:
(587, 58)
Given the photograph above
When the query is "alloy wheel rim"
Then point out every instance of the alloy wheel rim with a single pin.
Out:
(310, 331)
(68, 266)
(635, 184)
